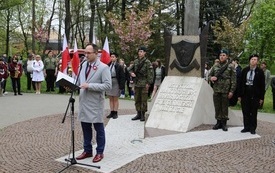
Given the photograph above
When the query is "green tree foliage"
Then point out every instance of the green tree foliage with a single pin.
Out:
(260, 35)
(229, 36)
(6, 4)
(235, 12)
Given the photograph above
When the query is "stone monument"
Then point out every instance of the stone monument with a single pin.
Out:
(184, 99)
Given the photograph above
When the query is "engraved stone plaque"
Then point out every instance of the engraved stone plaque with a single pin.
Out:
(185, 56)
(181, 104)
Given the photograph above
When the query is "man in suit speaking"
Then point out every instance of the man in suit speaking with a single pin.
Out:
(94, 80)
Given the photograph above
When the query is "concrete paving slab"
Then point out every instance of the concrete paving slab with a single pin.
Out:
(126, 142)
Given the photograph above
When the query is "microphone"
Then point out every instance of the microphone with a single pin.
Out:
(84, 60)
(80, 65)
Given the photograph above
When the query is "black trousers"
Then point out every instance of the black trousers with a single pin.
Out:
(4, 83)
(29, 81)
(50, 79)
(16, 85)
(250, 107)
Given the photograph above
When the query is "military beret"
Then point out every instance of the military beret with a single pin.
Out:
(142, 48)
(224, 51)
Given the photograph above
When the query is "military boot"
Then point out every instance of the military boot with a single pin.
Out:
(218, 125)
(137, 117)
(224, 128)
(142, 116)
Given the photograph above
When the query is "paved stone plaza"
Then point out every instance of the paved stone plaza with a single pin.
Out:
(33, 143)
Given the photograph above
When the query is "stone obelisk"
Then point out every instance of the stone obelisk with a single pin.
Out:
(191, 17)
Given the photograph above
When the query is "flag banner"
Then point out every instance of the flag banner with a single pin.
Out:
(105, 53)
(65, 56)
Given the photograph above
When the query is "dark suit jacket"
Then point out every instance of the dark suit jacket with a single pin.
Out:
(258, 83)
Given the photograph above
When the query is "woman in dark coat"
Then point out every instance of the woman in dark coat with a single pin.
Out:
(118, 84)
(16, 71)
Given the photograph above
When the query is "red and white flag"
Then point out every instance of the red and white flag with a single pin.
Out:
(105, 53)
(75, 60)
(65, 56)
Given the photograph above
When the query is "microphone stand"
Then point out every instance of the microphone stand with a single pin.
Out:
(71, 102)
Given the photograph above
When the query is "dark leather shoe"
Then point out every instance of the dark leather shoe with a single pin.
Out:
(110, 115)
(115, 116)
(253, 132)
(84, 155)
(98, 158)
(245, 130)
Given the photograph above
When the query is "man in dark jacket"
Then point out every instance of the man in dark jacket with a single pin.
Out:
(252, 89)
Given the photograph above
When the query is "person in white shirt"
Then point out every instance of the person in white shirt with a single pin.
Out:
(38, 75)
(29, 72)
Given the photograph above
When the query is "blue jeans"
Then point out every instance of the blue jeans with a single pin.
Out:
(88, 135)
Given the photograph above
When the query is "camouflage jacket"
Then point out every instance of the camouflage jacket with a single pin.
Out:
(50, 63)
(226, 81)
(143, 70)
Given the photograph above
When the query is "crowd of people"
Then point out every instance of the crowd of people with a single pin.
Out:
(33, 67)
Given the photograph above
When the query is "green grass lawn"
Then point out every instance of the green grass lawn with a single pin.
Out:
(266, 108)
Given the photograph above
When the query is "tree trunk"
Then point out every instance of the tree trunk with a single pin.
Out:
(23, 31)
(91, 32)
(123, 7)
(49, 23)
(33, 25)
(8, 33)
(67, 19)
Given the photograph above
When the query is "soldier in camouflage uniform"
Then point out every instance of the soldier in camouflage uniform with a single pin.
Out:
(142, 70)
(223, 78)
